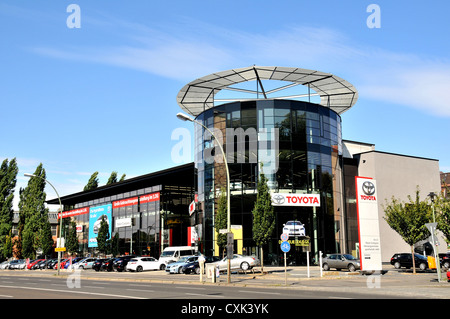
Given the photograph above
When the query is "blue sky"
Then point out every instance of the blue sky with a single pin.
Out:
(103, 97)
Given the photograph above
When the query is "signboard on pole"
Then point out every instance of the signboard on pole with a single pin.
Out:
(368, 223)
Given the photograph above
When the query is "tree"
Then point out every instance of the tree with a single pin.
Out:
(442, 205)
(103, 235)
(92, 183)
(220, 220)
(409, 219)
(33, 215)
(112, 179)
(72, 245)
(263, 215)
(8, 178)
(115, 245)
(46, 238)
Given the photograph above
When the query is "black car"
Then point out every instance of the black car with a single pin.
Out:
(405, 260)
(194, 267)
(108, 264)
(97, 265)
(120, 263)
(444, 260)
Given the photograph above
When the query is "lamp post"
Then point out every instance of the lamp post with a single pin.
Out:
(435, 248)
(60, 218)
(184, 117)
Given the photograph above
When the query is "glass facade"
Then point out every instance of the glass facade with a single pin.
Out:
(307, 151)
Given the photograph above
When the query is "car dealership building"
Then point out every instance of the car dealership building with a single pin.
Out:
(291, 123)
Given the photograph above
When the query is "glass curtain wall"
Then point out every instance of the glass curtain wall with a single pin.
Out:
(309, 161)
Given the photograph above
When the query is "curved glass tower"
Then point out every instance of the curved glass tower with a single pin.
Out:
(300, 146)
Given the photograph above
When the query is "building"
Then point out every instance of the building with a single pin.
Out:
(148, 212)
(292, 124)
(445, 184)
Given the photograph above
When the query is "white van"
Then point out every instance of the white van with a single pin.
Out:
(172, 254)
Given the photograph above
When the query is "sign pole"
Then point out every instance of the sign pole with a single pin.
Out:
(285, 270)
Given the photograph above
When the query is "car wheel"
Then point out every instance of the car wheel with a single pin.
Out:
(162, 267)
(397, 265)
(197, 271)
(351, 268)
(325, 267)
(446, 265)
(423, 266)
(180, 270)
(139, 269)
(244, 266)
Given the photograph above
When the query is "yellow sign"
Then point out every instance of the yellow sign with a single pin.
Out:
(60, 249)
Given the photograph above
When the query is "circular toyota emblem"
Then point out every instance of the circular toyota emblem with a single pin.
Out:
(278, 199)
(368, 188)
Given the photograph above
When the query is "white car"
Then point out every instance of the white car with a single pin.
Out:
(182, 260)
(85, 263)
(4, 265)
(144, 263)
(238, 262)
(294, 228)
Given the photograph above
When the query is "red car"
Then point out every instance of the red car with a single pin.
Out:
(32, 263)
(448, 275)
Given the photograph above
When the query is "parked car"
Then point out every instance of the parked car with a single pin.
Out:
(120, 263)
(444, 260)
(144, 263)
(97, 265)
(238, 262)
(340, 261)
(108, 264)
(52, 263)
(177, 267)
(17, 264)
(448, 275)
(4, 265)
(405, 260)
(85, 263)
(294, 228)
(194, 267)
(35, 264)
(182, 260)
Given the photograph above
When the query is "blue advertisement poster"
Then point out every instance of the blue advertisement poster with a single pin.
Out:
(95, 218)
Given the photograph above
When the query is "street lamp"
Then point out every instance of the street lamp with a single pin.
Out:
(435, 248)
(185, 118)
(60, 218)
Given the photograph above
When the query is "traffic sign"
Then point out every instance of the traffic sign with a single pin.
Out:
(285, 246)
(284, 236)
(60, 249)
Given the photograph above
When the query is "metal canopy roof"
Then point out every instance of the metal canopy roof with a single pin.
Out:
(335, 93)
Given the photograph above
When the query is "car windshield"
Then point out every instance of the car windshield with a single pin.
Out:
(167, 253)
(293, 223)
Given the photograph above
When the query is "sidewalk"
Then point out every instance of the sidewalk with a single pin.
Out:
(393, 283)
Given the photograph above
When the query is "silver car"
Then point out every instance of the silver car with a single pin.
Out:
(238, 262)
(341, 261)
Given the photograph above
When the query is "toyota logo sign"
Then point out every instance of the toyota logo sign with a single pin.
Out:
(368, 188)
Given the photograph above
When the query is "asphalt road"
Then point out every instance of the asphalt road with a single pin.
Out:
(73, 288)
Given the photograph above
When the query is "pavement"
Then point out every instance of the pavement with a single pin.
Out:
(393, 283)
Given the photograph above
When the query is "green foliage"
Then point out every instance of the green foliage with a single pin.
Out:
(72, 245)
(103, 235)
(263, 213)
(443, 216)
(92, 183)
(8, 178)
(33, 215)
(112, 179)
(220, 220)
(409, 219)
(115, 245)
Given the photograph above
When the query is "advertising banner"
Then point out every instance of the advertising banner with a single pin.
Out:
(153, 197)
(305, 200)
(95, 218)
(74, 212)
(368, 223)
(125, 202)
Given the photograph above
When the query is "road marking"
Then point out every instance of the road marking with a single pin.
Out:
(203, 295)
(141, 290)
(74, 292)
(6, 296)
(260, 292)
(196, 288)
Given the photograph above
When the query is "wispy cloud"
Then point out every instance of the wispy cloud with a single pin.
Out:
(200, 49)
